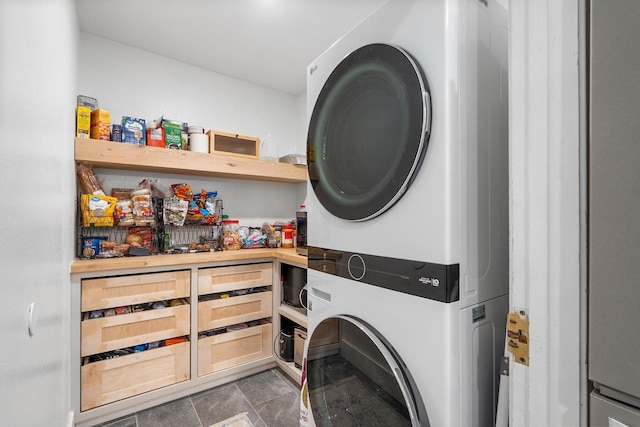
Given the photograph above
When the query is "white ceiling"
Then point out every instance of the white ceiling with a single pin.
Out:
(267, 42)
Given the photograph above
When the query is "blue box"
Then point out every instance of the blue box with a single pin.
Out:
(134, 131)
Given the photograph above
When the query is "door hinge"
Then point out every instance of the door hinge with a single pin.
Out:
(504, 367)
(518, 336)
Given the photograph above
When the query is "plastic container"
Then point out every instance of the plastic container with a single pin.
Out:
(230, 237)
(287, 236)
(199, 142)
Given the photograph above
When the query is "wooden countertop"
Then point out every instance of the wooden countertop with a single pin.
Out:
(93, 265)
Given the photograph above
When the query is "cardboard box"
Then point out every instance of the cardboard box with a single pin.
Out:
(230, 144)
(83, 121)
(101, 124)
(134, 130)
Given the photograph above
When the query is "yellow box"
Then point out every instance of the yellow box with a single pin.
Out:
(231, 144)
(101, 124)
(83, 121)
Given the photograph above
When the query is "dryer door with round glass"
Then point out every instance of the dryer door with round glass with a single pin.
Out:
(368, 132)
(355, 378)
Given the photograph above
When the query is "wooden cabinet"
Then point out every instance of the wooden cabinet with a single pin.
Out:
(235, 305)
(106, 388)
(134, 335)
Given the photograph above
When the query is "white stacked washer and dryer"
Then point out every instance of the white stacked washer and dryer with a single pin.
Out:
(408, 218)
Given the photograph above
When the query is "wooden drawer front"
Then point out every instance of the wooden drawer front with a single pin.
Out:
(126, 330)
(221, 279)
(110, 292)
(114, 379)
(229, 311)
(233, 348)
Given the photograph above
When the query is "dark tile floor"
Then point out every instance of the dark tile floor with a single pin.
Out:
(271, 399)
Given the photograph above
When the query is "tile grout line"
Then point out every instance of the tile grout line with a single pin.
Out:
(195, 411)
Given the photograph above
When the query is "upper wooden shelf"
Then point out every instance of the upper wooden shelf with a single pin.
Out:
(116, 155)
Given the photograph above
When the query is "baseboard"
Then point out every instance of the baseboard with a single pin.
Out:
(71, 419)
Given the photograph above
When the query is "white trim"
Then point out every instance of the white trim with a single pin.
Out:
(545, 211)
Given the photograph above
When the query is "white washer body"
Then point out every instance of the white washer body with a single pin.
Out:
(456, 209)
(453, 354)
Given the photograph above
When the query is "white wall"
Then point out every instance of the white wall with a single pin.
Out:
(132, 82)
(545, 92)
(37, 86)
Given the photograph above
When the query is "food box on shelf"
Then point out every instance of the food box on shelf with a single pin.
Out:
(83, 121)
(101, 124)
(134, 130)
(172, 135)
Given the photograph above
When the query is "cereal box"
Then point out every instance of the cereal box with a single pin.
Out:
(134, 131)
(83, 121)
(101, 124)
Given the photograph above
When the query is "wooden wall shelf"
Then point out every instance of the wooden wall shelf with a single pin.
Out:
(115, 155)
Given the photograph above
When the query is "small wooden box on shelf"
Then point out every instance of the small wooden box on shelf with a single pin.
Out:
(230, 144)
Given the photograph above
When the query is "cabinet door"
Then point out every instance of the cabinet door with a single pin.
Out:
(111, 292)
(222, 279)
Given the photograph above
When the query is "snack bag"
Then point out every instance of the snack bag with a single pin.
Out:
(97, 210)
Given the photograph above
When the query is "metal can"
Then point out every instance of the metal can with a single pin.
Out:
(116, 133)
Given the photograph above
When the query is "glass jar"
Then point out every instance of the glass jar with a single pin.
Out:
(287, 237)
(230, 236)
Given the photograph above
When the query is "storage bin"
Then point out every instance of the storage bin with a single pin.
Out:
(108, 292)
(230, 349)
(115, 379)
(222, 279)
(229, 311)
(126, 330)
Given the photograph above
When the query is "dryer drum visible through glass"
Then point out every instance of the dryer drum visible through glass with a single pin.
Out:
(368, 132)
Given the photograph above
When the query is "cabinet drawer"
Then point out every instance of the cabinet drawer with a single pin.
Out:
(221, 279)
(110, 292)
(126, 330)
(115, 379)
(234, 348)
(229, 311)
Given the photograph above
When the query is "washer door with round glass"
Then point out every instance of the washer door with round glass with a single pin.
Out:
(355, 378)
(368, 132)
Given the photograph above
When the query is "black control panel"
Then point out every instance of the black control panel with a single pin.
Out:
(423, 279)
